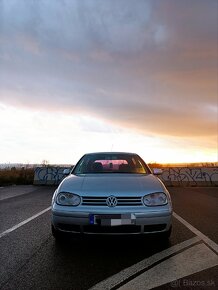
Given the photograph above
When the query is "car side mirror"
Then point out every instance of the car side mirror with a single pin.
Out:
(157, 171)
(66, 171)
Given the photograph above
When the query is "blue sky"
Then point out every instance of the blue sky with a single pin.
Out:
(81, 76)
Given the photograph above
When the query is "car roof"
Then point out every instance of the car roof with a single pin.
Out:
(127, 153)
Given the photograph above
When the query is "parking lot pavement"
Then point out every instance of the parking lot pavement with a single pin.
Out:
(31, 259)
(14, 190)
(198, 205)
(20, 206)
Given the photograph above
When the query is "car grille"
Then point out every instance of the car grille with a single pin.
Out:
(122, 229)
(69, 228)
(121, 201)
(125, 229)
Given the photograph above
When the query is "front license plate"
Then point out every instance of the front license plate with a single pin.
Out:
(112, 220)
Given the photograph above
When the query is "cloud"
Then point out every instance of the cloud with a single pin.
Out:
(150, 66)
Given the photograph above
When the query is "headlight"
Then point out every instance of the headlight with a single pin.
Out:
(155, 199)
(67, 198)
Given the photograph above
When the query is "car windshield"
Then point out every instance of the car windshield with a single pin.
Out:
(111, 163)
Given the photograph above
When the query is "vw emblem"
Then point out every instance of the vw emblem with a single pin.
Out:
(111, 201)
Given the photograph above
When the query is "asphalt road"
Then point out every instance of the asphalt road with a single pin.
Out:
(31, 259)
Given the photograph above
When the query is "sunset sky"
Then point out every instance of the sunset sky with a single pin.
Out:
(80, 76)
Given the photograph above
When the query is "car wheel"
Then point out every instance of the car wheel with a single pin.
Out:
(166, 235)
(57, 234)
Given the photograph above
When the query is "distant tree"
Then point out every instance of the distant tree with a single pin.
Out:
(45, 163)
(155, 165)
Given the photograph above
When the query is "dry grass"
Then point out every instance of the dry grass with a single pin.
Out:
(199, 164)
(16, 176)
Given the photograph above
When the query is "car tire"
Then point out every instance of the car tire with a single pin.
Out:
(166, 235)
(57, 234)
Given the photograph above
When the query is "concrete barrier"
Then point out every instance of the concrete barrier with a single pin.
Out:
(48, 175)
(190, 176)
(173, 176)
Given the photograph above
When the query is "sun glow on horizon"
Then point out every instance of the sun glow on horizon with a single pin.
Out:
(30, 136)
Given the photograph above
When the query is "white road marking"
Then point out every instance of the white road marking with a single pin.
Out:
(134, 269)
(24, 222)
(195, 259)
(118, 278)
(14, 191)
(207, 240)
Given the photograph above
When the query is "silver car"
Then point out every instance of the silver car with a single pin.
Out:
(111, 193)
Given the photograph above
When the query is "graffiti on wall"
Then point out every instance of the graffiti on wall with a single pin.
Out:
(49, 175)
(173, 176)
(181, 176)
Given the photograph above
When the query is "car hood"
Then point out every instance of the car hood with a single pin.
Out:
(111, 184)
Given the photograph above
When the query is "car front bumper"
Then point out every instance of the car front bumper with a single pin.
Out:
(155, 221)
